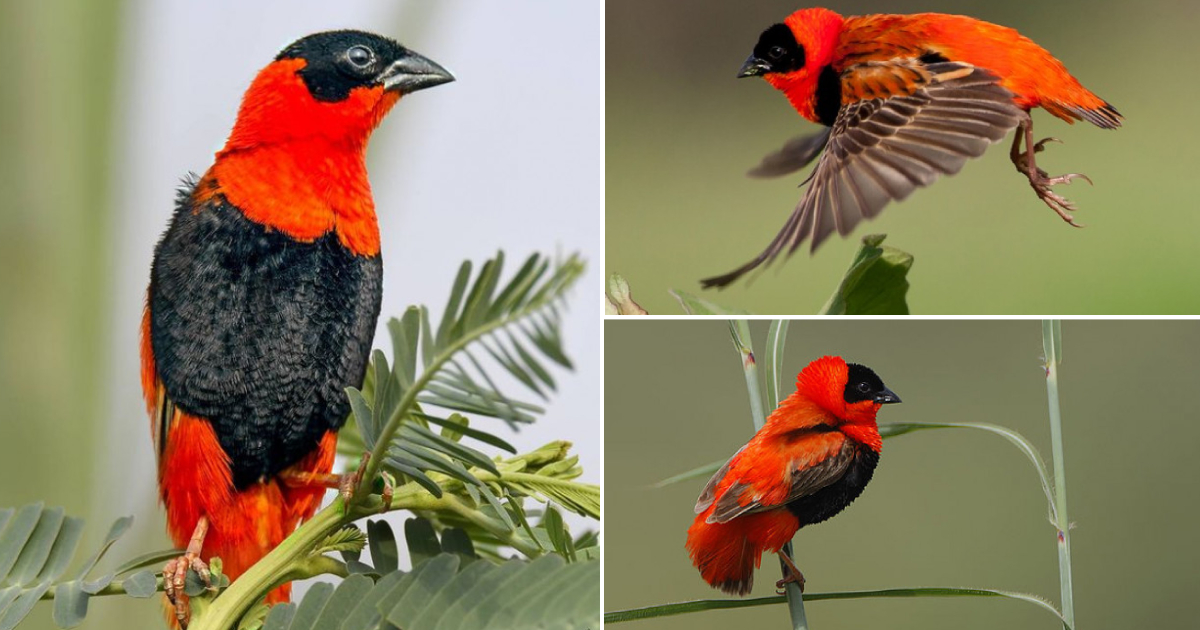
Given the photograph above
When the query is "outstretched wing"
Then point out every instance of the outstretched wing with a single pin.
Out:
(795, 155)
(902, 124)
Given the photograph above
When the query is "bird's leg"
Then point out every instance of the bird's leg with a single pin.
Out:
(344, 484)
(794, 575)
(175, 572)
(1041, 182)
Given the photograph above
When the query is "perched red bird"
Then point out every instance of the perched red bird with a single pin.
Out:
(812, 458)
(263, 300)
(906, 99)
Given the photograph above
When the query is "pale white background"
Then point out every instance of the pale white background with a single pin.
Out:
(507, 157)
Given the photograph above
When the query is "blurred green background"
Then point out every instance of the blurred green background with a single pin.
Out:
(946, 507)
(681, 131)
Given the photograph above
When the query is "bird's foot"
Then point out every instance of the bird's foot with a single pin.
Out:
(345, 484)
(1041, 184)
(1040, 180)
(1040, 145)
(175, 574)
(350, 482)
(794, 576)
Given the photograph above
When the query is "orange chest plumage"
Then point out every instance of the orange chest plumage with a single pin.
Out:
(301, 189)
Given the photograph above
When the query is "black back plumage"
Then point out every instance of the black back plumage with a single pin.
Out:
(259, 333)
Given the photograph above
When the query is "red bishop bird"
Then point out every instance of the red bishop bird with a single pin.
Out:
(905, 99)
(811, 459)
(263, 300)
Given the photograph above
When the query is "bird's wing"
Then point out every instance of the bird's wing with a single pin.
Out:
(709, 494)
(903, 123)
(795, 155)
(162, 417)
(163, 412)
(819, 459)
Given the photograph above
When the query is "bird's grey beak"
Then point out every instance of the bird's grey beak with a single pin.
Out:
(413, 72)
(754, 67)
(886, 396)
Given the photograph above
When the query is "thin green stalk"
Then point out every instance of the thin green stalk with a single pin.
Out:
(795, 597)
(408, 401)
(248, 589)
(115, 587)
(1052, 345)
(740, 330)
(506, 537)
(294, 559)
(682, 608)
(776, 339)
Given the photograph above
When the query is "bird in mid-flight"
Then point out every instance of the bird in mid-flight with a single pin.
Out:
(905, 99)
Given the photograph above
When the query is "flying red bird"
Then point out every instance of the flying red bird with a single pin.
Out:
(906, 99)
(812, 458)
(263, 299)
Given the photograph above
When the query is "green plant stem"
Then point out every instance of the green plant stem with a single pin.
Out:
(406, 404)
(681, 608)
(295, 559)
(248, 589)
(1052, 345)
(740, 331)
(795, 597)
(298, 556)
(508, 538)
(115, 587)
(776, 340)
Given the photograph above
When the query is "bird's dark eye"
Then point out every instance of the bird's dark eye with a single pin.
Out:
(864, 387)
(778, 48)
(360, 56)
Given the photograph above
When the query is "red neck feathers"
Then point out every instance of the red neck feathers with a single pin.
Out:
(296, 164)
(818, 31)
(824, 382)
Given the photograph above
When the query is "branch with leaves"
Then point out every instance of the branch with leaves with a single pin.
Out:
(473, 509)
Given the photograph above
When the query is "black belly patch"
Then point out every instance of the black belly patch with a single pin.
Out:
(832, 499)
(258, 333)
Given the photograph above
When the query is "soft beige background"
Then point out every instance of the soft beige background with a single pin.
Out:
(682, 131)
(946, 507)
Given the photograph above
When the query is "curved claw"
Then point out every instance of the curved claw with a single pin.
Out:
(794, 576)
(389, 490)
(1041, 144)
(790, 579)
(1066, 179)
(1059, 204)
(175, 578)
(348, 483)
